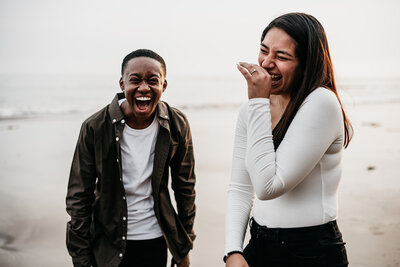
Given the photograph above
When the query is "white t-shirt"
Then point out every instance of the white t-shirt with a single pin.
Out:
(296, 186)
(137, 155)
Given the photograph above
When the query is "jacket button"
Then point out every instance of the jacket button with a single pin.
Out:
(123, 197)
(123, 237)
(117, 139)
(120, 255)
(124, 218)
(122, 121)
(114, 120)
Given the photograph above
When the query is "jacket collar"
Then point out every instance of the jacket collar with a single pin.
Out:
(117, 115)
(115, 110)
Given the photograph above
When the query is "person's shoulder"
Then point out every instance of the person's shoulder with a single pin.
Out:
(323, 97)
(322, 102)
(174, 113)
(324, 94)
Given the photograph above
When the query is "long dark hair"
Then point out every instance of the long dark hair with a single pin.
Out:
(315, 67)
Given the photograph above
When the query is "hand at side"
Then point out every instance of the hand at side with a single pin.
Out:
(236, 260)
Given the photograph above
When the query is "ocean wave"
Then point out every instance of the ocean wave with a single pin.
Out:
(7, 113)
(362, 100)
(27, 112)
(40, 111)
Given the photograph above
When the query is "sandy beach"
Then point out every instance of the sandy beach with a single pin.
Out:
(36, 156)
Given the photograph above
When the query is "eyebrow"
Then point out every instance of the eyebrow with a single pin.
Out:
(278, 51)
(150, 76)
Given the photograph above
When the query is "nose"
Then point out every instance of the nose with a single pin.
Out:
(143, 87)
(267, 62)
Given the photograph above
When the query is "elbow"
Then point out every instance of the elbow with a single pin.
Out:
(268, 193)
(264, 194)
(267, 184)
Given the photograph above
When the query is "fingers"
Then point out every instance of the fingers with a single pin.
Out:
(244, 71)
(247, 66)
(251, 69)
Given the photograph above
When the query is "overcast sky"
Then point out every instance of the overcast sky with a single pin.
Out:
(195, 37)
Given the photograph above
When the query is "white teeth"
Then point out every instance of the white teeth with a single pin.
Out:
(143, 98)
(275, 76)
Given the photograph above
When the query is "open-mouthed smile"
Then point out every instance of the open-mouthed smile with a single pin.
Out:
(275, 79)
(143, 102)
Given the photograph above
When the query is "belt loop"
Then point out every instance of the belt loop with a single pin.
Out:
(336, 227)
(253, 229)
(333, 228)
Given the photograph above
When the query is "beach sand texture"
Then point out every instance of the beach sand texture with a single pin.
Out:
(36, 155)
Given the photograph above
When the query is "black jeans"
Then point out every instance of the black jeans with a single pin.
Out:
(320, 245)
(145, 253)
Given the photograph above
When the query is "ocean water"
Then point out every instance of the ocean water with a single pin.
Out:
(30, 96)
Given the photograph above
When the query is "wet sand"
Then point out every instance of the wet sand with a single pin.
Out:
(36, 156)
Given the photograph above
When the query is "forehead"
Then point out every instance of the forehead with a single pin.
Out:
(279, 39)
(143, 66)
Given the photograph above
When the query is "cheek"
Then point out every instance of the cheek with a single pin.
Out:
(128, 92)
(159, 93)
(293, 72)
(288, 71)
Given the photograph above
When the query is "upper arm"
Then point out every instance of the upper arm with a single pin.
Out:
(317, 124)
(240, 190)
(240, 179)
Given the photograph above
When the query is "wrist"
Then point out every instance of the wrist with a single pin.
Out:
(231, 253)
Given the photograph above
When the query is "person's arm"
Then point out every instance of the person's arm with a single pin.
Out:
(240, 195)
(80, 197)
(183, 180)
(317, 124)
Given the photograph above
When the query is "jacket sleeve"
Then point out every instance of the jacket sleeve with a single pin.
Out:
(80, 196)
(184, 179)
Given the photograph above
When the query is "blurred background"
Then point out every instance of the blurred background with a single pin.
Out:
(60, 62)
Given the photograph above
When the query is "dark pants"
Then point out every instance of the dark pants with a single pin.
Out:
(145, 253)
(320, 245)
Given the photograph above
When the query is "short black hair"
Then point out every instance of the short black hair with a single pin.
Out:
(143, 53)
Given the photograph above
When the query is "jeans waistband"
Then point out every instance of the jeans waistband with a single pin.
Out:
(296, 233)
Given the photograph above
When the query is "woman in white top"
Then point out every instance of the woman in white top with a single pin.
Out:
(287, 152)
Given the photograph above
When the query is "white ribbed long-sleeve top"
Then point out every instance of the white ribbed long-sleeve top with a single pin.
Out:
(296, 185)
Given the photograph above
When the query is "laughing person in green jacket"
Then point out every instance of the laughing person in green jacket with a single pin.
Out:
(118, 198)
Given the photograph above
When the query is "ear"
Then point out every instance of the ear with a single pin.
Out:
(165, 85)
(121, 84)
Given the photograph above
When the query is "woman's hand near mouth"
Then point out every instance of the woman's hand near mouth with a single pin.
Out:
(258, 80)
